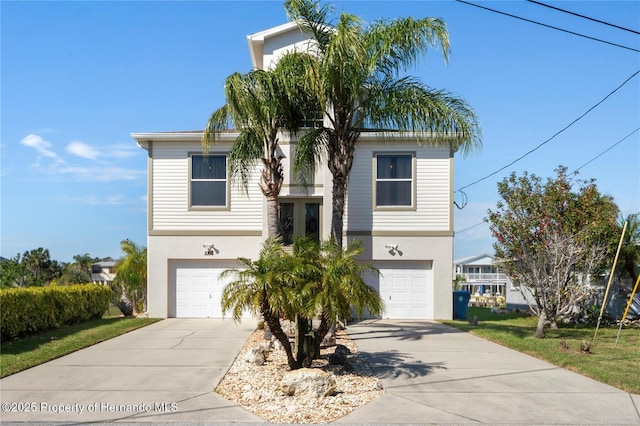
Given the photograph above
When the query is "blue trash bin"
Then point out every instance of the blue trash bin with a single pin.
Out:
(460, 304)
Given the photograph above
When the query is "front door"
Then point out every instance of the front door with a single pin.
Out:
(299, 218)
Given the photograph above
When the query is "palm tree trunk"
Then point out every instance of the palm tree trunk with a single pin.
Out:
(273, 321)
(272, 217)
(339, 192)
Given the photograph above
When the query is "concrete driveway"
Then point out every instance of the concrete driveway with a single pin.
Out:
(165, 372)
(434, 374)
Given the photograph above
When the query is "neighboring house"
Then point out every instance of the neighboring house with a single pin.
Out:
(399, 205)
(483, 279)
(103, 272)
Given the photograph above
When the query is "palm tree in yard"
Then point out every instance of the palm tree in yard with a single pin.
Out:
(313, 279)
(259, 287)
(356, 70)
(131, 275)
(332, 286)
(261, 104)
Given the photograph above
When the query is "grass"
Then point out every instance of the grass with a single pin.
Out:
(605, 362)
(29, 351)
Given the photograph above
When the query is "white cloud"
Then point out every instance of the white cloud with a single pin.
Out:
(39, 144)
(83, 150)
(95, 200)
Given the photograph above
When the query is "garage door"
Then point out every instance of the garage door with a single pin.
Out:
(198, 290)
(407, 290)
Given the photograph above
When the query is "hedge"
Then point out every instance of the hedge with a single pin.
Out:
(32, 309)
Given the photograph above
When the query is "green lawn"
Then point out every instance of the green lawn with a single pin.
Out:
(617, 366)
(19, 354)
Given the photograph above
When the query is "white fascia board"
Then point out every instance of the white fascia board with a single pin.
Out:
(143, 139)
(256, 42)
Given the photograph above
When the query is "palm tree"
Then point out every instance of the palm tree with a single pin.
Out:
(335, 288)
(259, 288)
(131, 275)
(84, 262)
(356, 71)
(261, 104)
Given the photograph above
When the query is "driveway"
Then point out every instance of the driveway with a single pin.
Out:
(435, 374)
(165, 372)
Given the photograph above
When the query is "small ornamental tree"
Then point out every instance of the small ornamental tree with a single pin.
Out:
(315, 280)
(550, 237)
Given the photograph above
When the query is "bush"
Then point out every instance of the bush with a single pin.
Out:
(29, 310)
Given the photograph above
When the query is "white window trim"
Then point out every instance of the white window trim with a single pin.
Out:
(227, 204)
(375, 180)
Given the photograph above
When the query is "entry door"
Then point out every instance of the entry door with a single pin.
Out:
(299, 218)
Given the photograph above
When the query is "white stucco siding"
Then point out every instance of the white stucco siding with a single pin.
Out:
(169, 195)
(432, 209)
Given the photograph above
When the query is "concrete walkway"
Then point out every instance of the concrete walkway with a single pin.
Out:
(165, 372)
(434, 374)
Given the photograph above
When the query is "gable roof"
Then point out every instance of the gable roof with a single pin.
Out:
(475, 260)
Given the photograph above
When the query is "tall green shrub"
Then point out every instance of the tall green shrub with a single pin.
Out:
(29, 310)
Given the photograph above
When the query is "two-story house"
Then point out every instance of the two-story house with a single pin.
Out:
(399, 205)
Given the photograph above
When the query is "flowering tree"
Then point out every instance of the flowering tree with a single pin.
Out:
(550, 238)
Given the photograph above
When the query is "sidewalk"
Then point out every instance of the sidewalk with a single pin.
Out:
(165, 372)
(434, 374)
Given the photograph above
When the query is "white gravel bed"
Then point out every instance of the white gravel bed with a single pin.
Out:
(257, 388)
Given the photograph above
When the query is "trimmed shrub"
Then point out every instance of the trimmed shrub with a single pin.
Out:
(32, 309)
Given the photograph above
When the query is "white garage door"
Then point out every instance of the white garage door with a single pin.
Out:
(407, 290)
(198, 290)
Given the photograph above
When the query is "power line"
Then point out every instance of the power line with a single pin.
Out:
(469, 227)
(583, 16)
(608, 149)
(556, 134)
(547, 25)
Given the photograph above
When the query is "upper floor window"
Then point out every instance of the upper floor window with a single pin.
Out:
(208, 180)
(394, 180)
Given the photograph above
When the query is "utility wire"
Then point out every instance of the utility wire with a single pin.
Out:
(582, 16)
(556, 134)
(608, 149)
(548, 26)
(469, 227)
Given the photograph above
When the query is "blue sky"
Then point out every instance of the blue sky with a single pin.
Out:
(78, 77)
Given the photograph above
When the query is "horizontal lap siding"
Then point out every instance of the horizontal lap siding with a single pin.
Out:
(170, 196)
(433, 200)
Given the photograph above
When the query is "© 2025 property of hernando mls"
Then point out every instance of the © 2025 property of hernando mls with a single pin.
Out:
(399, 205)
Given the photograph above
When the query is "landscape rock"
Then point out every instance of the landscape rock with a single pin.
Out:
(259, 354)
(308, 382)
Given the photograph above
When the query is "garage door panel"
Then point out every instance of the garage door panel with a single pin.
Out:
(407, 290)
(198, 288)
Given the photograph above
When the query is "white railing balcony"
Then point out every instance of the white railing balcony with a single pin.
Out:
(485, 277)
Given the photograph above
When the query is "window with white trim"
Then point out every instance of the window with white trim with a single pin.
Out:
(394, 180)
(208, 180)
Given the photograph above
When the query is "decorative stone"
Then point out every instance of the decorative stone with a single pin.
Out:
(340, 356)
(258, 355)
(308, 383)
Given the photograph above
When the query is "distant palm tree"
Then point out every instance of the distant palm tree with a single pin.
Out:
(131, 276)
(260, 104)
(356, 71)
(84, 261)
